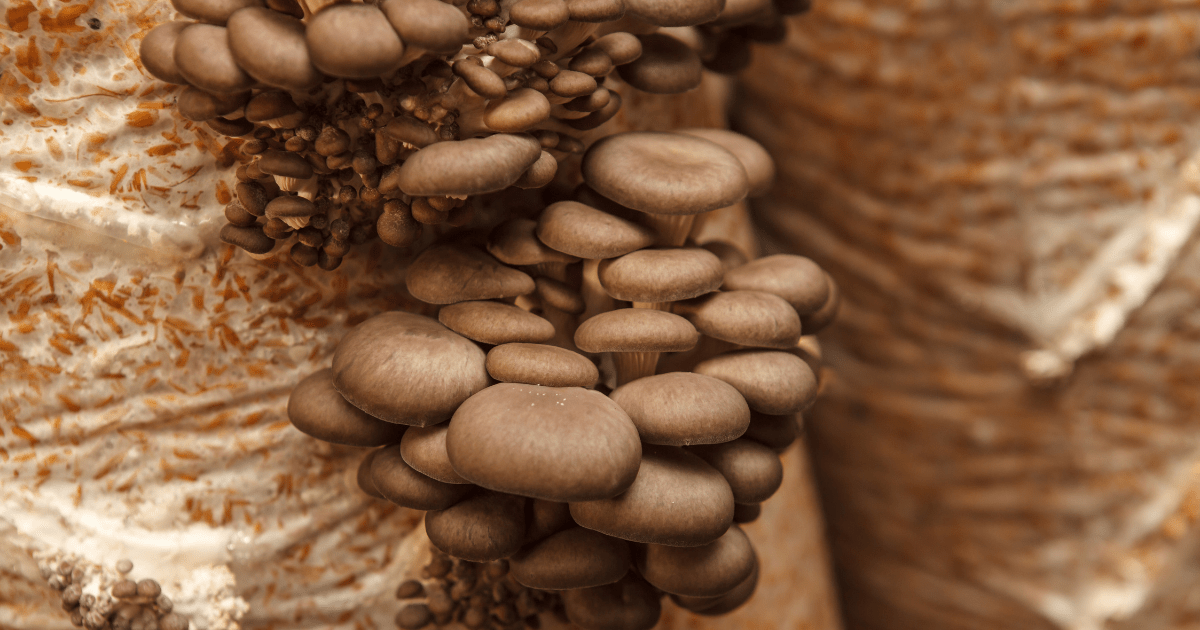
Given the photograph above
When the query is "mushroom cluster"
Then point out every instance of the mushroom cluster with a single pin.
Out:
(122, 604)
(358, 121)
(600, 401)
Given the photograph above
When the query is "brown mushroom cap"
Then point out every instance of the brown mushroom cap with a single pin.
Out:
(270, 47)
(157, 51)
(405, 129)
(485, 526)
(721, 604)
(572, 558)
(539, 15)
(397, 482)
(666, 66)
(775, 432)
(468, 167)
(495, 323)
(731, 256)
(363, 476)
(483, 81)
(760, 168)
(445, 274)
(514, 242)
(519, 53)
(794, 278)
(753, 471)
(431, 24)
(663, 275)
(407, 369)
(559, 295)
(542, 442)
(676, 499)
(681, 408)
(198, 105)
(250, 238)
(748, 318)
(813, 323)
(621, 47)
(202, 55)
(636, 330)
(270, 104)
(396, 225)
(317, 409)
(675, 12)
(519, 111)
(592, 61)
(354, 41)
(285, 164)
(288, 206)
(581, 230)
(537, 364)
(569, 83)
(746, 512)
(630, 604)
(543, 518)
(424, 448)
(596, 10)
(704, 571)
(212, 11)
(664, 173)
(772, 382)
(540, 174)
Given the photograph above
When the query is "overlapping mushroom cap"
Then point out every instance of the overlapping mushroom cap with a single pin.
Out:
(407, 369)
(316, 408)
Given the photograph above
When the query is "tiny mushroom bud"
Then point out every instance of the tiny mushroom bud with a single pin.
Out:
(677, 499)
(424, 448)
(399, 483)
(537, 364)
(753, 471)
(598, 117)
(212, 11)
(198, 105)
(572, 558)
(407, 369)
(630, 604)
(396, 225)
(332, 141)
(682, 408)
(157, 51)
(666, 66)
(202, 55)
(495, 323)
(430, 24)
(771, 382)
(541, 442)
(353, 41)
(445, 274)
(755, 319)
(467, 167)
(270, 47)
(250, 238)
(485, 526)
(704, 571)
(317, 409)
(540, 15)
(414, 617)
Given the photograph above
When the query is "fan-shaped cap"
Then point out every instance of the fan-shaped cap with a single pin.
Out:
(514, 242)
(663, 275)
(485, 526)
(432, 24)
(581, 230)
(203, 57)
(704, 571)
(630, 604)
(681, 408)
(752, 470)
(250, 238)
(794, 278)
(760, 168)
(407, 129)
(664, 173)
(595, 10)
(775, 432)
(198, 105)
(569, 83)
(397, 482)
(284, 164)
(468, 167)
(559, 444)
(483, 81)
(537, 364)
(519, 111)
(270, 104)
(621, 47)
(771, 382)
(748, 318)
(212, 11)
(270, 47)
(290, 206)
(445, 274)
(675, 12)
(636, 330)
(572, 558)
(495, 323)
(157, 51)
(677, 500)
(666, 66)
(721, 604)
(407, 369)
(317, 409)
(539, 15)
(424, 448)
(519, 53)
(353, 41)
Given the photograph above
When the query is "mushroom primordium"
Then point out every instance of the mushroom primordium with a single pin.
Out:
(528, 413)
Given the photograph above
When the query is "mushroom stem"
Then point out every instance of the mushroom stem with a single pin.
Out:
(672, 229)
(564, 327)
(634, 365)
(569, 36)
(594, 296)
(658, 306)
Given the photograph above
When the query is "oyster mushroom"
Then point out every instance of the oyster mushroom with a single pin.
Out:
(445, 274)
(544, 442)
(157, 52)
(721, 604)
(771, 382)
(212, 11)
(495, 323)
(794, 278)
(571, 559)
(271, 47)
(630, 604)
(752, 470)
(704, 571)
(424, 448)
(401, 484)
(665, 66)
(250, 238)
(203, 57)
(675, 12)
(539, 15)
(653, 278)
(760, 168)
(353, 41)
(543, 518)
(824, 316)
(198, 105)
(407, 369)
(746, 318)
(485, 526)
(466, 167)
(317, 409)
(595, 10)
(536, 364)
(292, 210)
(775, 432)
(682, 408)
(636, 337)
(429, 24)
